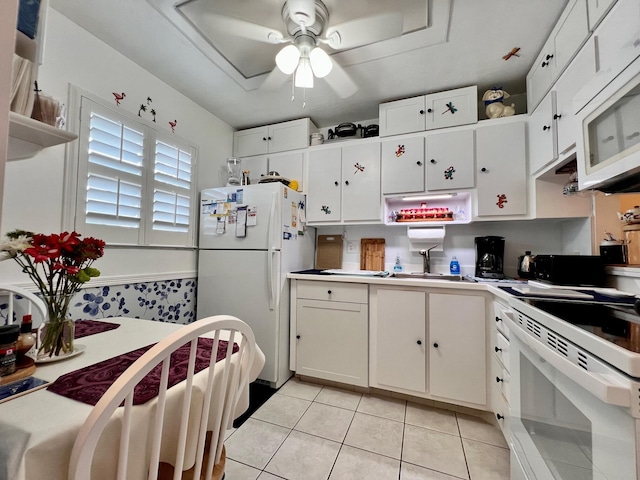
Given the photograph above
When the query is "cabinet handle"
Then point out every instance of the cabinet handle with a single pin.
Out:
(499, 417)
(421, 112)
(498, 379)
(336, 183)
(497, 349)
(608, 139)
(429, 110)
(632, 136)
(483, 169)
(419, 163)
(433, 160)
(545, 128)
(498, 319)
(435, 345)
(556, 116)
(346, 182)
(298, 337)
(419, 342)
(264, 138)
(329, 292)
(549, 57)
(268, 138)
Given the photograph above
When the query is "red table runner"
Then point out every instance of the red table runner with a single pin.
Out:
(84, 328)
(88, 384)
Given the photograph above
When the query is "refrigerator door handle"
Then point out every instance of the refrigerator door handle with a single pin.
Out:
(272, 221)
(271, 281)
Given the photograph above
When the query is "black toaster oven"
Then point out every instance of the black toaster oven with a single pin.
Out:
(574, 270)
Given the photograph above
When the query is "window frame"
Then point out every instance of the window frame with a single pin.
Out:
(77, 167)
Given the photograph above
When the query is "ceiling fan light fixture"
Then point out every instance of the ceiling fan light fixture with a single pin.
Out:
(321, 64)
(287, 59)
(303, 78)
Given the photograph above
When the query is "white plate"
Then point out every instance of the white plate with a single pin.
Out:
(77, 350)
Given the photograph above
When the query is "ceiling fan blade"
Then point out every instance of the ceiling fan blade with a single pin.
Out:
(275, 79)
(363, 31)
(340, 81)
(240, 28)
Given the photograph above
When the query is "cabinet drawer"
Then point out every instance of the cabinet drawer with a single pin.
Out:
(501, 411)
(335, 292)
(500, 348)
(500, 378)
(499, 310)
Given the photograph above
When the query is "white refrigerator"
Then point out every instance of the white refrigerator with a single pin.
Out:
(250, 238)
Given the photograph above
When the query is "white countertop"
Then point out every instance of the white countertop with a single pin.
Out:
(407, 282)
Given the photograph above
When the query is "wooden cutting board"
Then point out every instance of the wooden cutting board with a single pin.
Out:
(329, 252)
(372, 254)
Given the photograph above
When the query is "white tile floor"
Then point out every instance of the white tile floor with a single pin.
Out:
(308, 431)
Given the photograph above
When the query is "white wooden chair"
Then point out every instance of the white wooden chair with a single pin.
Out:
(32, 304)
(181, 438)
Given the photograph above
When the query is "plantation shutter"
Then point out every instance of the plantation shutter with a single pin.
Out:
(172, 191)
(135, 185)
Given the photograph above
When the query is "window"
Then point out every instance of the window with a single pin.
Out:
(135, 184)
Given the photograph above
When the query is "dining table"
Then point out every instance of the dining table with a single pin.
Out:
(38, 427)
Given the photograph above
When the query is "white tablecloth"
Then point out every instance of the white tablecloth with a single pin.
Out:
(38, 429)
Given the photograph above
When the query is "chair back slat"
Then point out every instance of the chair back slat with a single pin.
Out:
(29, 303)
(194, 414)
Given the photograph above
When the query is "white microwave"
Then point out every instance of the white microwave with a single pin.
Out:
(608, 147)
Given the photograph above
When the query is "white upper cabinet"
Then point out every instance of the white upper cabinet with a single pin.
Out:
(450, 160)
(344, 184)
(597, 10)
(542, 134)
(278, 137)
(618, 40)
(427, 112)
(403, 165)
(501, 158)
(289, 165)
(565, 40)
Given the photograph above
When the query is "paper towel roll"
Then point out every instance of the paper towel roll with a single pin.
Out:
(422, 238)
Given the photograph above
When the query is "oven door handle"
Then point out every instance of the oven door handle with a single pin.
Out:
(601, 386)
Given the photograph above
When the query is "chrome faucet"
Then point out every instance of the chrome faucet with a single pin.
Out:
(426, 259)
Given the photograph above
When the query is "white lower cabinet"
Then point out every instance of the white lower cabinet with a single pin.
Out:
(457, 348)
(397, 339)
(331, 331)
(499, 376)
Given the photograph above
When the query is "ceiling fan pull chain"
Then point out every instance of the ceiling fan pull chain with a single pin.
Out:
(293, 90)
(304, 97)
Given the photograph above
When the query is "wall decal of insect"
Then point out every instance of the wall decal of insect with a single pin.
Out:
(450, 108)
(400, 151)
(513, 53)
(359, 168)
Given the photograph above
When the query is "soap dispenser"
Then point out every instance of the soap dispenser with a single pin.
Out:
(397, 267)
(454, 266)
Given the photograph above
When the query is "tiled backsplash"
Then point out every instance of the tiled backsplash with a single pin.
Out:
(172, 301)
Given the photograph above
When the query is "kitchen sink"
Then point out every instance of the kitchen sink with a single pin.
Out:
(430, 276)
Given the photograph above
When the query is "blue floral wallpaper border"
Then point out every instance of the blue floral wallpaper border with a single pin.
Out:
(172, 301)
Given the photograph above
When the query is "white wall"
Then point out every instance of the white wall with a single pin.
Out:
(33, 188)
(539, 236)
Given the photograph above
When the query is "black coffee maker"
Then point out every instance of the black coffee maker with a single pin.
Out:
(489, 257)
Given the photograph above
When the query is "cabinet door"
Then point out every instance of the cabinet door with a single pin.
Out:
(569, 36)
(403, 165)
(397, 345)
(332, 341)
(361, 197)
(502, 172)
(451, 108)
(539, 77)
(289, 165)
(581, 70)
(252, 141)
(257, 165)
(457, 355)
(324, 187)
(597, 9)
(618, 39)
(542, 134)
(288, 135)
(450, 160)
(402, 116)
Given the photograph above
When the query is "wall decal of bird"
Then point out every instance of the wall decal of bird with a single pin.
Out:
(119, 96)
(173, 125)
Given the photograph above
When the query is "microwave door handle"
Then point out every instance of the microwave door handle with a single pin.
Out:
(595, 383)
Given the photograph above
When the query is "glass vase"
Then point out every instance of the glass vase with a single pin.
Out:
(56, 334)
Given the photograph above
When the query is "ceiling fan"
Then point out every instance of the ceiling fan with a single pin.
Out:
(308, 28)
